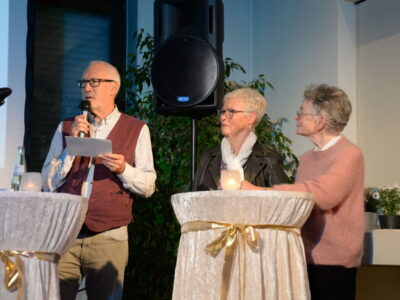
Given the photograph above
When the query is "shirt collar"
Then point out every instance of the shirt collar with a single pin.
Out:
(329, 144)
(111, 118)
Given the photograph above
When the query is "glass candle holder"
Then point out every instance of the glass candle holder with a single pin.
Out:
(230, 180)
(31, 181)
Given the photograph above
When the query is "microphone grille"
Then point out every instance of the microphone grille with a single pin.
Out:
(85, 105)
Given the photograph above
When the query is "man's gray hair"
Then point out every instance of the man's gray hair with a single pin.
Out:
(113, 70)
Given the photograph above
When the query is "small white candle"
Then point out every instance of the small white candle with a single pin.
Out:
(31, 181)
(230, 180)
(29, 187)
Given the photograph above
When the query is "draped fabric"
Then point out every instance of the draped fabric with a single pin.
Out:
(277, 271)
(47, 222)
(236, 162)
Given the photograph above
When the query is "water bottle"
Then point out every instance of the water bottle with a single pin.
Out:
(19, 169)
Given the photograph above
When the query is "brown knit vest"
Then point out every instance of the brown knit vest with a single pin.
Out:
(110, 204)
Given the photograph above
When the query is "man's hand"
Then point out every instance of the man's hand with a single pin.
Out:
(249, 186)
(80, 124)
(114, 162)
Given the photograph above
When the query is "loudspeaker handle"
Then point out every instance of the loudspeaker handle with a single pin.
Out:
(157, 23)
(210, 19)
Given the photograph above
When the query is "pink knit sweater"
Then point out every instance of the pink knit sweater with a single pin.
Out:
(333, 234)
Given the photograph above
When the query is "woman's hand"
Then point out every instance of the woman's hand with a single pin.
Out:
(249, 186)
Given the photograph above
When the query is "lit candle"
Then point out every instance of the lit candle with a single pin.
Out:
(29, 187)
(31, 181)
(230, 180)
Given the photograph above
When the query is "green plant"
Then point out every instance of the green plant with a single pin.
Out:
(389, 200)
(155, 234)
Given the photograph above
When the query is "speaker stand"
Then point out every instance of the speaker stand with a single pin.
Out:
(194, 140)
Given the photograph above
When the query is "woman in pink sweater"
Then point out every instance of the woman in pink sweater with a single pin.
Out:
(334, 172)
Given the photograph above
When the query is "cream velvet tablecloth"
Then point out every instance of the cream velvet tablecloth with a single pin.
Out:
(277, 271)
(46, 222)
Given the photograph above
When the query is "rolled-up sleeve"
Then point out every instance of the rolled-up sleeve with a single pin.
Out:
(57, 164)
(140, 179)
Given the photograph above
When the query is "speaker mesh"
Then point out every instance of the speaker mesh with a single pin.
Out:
(185, 71)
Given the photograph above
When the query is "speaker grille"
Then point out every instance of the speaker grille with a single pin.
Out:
(185, 71)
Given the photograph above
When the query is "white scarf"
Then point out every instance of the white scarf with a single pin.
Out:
(236, 162)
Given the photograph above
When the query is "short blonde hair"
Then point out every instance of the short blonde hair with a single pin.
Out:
(252, 100)
(333, 102)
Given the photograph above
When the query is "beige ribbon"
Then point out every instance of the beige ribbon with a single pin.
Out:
(14, 276)
(229, 239)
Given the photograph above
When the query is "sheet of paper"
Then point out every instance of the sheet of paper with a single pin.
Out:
(87, 146)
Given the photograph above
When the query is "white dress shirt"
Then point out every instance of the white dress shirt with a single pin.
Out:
(329, 144)
(139, 179)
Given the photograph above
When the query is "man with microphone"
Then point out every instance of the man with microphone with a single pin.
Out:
(110, 181)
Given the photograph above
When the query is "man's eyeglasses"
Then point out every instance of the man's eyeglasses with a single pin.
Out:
(230, 112)
(300, 113)
(93, 82)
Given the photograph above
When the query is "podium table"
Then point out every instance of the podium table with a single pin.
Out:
(34, 221)
(275, 270)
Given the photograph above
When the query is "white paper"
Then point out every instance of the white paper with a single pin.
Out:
(87, 146)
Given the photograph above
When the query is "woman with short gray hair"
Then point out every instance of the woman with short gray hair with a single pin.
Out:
(334, 172)
(240, 150)
(333, 102)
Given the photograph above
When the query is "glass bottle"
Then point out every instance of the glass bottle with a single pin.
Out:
(19, 169)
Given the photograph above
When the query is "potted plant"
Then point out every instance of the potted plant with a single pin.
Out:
(371, 201)
(389, 203)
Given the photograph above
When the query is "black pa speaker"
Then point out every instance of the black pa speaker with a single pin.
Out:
(188, 70)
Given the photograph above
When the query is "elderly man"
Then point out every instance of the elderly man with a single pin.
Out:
(100, 252)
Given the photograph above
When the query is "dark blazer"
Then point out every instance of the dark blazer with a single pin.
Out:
(263, 168)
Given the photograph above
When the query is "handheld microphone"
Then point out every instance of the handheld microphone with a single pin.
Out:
(85, 108)
(4, 93)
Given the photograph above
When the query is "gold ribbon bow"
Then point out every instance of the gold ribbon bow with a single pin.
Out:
(229, 239)
(14, 276)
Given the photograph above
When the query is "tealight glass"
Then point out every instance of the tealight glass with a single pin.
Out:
(31, 181)
(230, 180)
